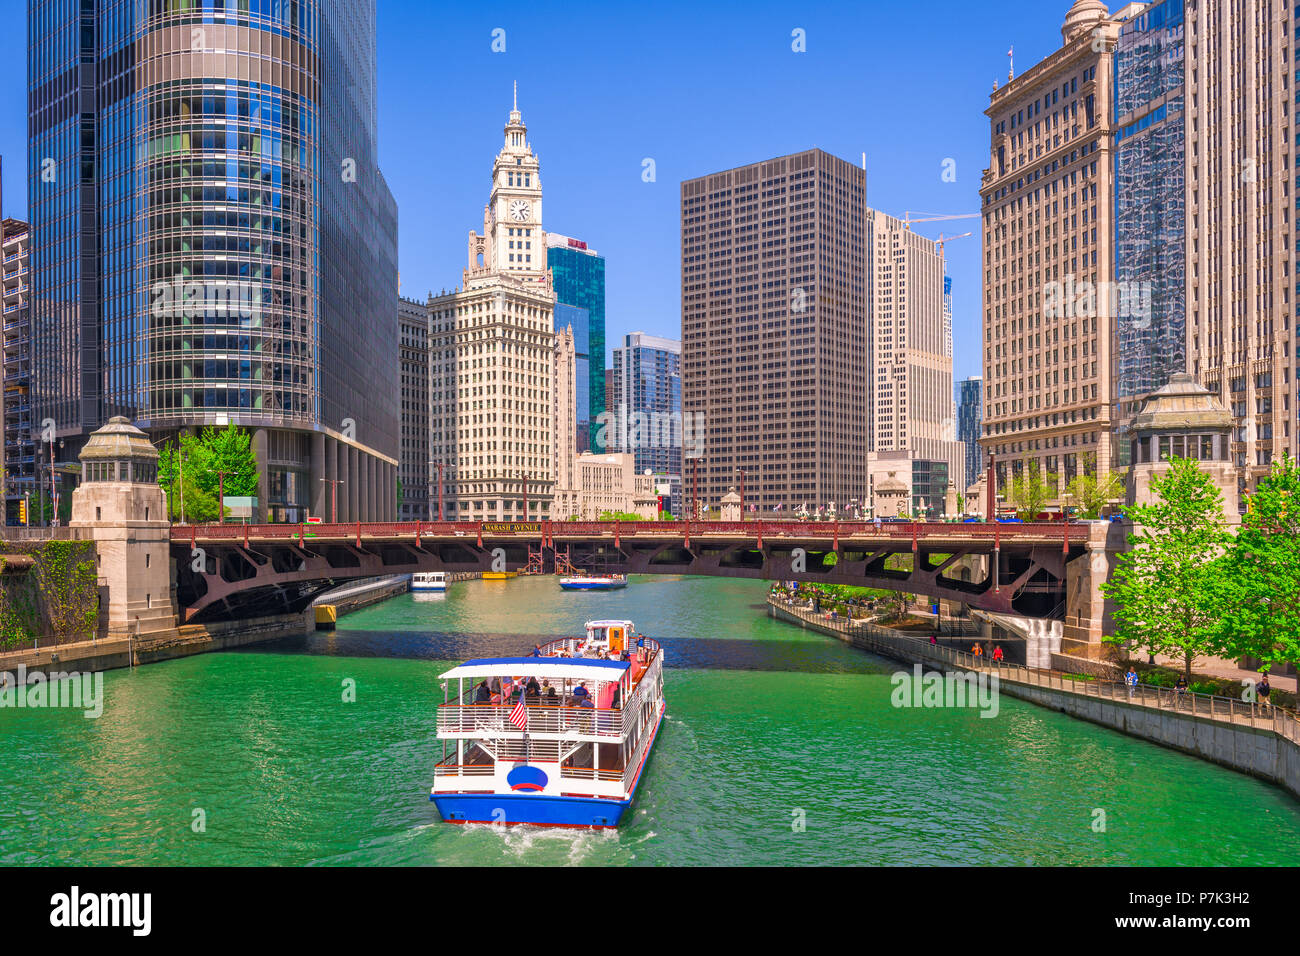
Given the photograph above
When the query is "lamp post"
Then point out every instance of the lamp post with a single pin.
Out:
(742, 493)
(334, 498)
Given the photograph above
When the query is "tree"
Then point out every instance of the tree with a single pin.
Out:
(213, 462)
(1029, 491)
(619, 516)
(1164, 587)
(1259, 593)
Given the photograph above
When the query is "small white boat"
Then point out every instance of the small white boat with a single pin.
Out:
(569, 749)
(429, 581)
(594, 582)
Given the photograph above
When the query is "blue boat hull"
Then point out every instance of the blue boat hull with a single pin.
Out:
(534, 809)
(593, 586)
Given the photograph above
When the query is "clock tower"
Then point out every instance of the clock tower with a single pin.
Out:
(513, 241)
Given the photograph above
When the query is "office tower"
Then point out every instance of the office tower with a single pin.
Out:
(1150, 210)
(646, 418)
(1242, 282)
(911, 335)
(610, 398)
(492, 354)
(578, 273)
(1047, 200)
(564, 397)
(416, 474)
(774, 336)
(212, 240)
(970, 410)
(19, 460)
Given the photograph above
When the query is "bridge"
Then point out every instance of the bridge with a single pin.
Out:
(229, 571)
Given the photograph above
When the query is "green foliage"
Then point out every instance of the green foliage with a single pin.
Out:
(212, 462)
(1091, 494)
(67, 587)
(1259, 592)
(1029, 491)
(18, 612)
(1164, 588)
(619, 516)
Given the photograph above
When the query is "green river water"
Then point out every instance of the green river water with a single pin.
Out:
(768, 727)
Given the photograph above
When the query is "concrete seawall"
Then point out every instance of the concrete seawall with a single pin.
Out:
(1267, 747)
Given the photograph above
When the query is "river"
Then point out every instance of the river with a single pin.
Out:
(781, 747)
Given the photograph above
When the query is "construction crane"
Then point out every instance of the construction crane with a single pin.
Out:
(938, 243)
(931, 217)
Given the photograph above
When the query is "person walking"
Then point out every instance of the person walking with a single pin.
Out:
(997, 654)
(1264, 689)
(1180, 688)
(1131, 681)
(978, 651)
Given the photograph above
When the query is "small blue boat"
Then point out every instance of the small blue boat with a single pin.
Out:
(594, 582)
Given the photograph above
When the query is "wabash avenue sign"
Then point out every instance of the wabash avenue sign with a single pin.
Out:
(512, 527)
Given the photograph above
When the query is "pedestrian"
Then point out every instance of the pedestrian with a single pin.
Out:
(1180, 688)
(977, 651)
(997, 654)
(1264, 689)
(934, 641)
(1131, 679)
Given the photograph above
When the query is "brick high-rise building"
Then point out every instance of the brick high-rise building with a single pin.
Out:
(419, 494)
(774, 332)
(1047, 200)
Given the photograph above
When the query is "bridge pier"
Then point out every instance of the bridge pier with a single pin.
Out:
(1087, 611)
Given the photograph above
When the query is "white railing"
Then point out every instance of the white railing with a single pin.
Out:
(493, 720)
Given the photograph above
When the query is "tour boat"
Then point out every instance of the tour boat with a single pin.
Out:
(429, 581)
(594, 582)
(572, 753)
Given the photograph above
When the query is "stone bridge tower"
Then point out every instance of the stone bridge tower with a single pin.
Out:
(121, 506)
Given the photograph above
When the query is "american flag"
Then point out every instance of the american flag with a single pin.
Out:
(519, 715)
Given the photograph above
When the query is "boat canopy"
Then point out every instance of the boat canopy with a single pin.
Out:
(555, 668)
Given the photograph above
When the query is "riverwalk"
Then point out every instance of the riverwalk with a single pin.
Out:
(1253, 738)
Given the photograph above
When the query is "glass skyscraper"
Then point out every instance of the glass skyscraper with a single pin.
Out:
(970, 415)
(212, 241)
(578, 274)
(647, 416)
(1150, 215)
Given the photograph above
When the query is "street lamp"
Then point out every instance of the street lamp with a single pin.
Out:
(334, 498)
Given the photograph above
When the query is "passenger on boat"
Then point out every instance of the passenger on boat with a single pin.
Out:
(551, 696)
(532, 689)
(484, 694)
(537, 650)
(581, 693)
(616, 701)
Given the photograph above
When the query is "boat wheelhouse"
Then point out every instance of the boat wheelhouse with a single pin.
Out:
(594, 582)
(429, 581)
(572, 752)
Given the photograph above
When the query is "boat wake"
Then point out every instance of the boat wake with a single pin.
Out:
(526, 841)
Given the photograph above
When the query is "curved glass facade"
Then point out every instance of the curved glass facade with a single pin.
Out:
(218, 244)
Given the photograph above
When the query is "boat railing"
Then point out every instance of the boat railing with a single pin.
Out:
(464, 770)
(587, 773)
(485, 720)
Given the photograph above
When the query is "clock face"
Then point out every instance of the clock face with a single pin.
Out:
(519, 210)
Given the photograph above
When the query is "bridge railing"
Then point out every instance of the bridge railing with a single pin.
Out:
(588, 529)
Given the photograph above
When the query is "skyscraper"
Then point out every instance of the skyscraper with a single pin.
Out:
(1150, 209)
(646, 419)
(774, 330)
(492, 354)
(212, 240)
(419, 498)
(911, 354)
(1242, 284)
(1047, 200)
(970, 411)
(578, 273)
(19, 450)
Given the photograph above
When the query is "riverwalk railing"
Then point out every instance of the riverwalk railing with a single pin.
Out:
(867, 634)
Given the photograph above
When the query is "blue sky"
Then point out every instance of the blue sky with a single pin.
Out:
(698, 87)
